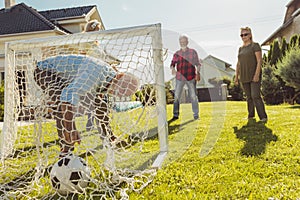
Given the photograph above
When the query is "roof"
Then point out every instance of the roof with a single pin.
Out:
(66, 12)
(277, 33)
(21, 18)
(292, 11)
(227, 65)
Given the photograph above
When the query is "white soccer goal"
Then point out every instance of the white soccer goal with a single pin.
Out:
(30, 144)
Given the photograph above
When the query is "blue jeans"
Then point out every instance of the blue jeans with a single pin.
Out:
(192, 93)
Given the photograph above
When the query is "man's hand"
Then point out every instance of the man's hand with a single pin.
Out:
(198, 77)
(173, 71)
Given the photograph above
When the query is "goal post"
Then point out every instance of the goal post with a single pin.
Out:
(9, 130)
(161, 96)
(31, 135)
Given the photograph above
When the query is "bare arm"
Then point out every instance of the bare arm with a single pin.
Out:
(173, 70)
(237, 72)
(258, 56)
(198, 77)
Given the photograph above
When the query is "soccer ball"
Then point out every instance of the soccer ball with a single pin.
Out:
(70, 175)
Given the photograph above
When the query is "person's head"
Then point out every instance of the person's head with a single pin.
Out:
(92, 25)
(246, 34)
(124, 85)
(183, 41)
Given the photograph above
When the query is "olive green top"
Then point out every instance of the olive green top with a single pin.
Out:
(248, 62)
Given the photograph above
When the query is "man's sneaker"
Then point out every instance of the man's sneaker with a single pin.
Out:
(196, 118)
(174, 118)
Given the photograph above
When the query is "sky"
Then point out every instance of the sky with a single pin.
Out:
(212, 26)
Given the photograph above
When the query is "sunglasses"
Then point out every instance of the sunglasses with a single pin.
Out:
(244, 35)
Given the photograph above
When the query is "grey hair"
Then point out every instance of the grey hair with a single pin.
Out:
(184, 36)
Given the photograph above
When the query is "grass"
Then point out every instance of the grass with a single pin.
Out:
(220, 156)
(244, 161)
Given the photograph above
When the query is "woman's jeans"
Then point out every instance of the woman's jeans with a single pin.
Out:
(254, 100)
(192, 93)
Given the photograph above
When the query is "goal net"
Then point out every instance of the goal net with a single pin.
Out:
(59, 85)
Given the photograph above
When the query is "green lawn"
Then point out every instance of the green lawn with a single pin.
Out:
(222, 156)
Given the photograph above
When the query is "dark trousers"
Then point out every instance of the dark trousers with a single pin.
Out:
(254, 100)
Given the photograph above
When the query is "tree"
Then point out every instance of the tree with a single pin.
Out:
(288, 69)
(265, 58)
(276, 53)
(235, 91)
(284, 48)
(271, 86)
(279, 92)
(269, 53)
(147, 95)
(169, 93)
(294, 41)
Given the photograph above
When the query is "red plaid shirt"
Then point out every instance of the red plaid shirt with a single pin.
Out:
(185, 61)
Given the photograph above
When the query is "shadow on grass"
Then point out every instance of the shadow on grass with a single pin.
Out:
(295, 107)
(27, 149)
(153, 135)
(153, 132)
(256, 136)
(175, 128)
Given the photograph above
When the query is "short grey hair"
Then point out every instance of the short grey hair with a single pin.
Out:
(184, 36)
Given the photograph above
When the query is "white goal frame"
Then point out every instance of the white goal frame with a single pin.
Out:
(12, 49)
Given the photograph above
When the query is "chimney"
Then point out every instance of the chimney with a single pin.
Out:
(9, 3)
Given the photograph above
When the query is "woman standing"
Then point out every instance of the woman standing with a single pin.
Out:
(249, 72)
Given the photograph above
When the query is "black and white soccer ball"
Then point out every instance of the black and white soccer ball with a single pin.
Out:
(70, 174)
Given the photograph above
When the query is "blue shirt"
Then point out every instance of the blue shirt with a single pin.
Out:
(84, 73)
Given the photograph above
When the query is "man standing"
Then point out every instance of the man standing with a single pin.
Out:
(186, 66)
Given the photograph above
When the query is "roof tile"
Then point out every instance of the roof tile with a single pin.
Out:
(66, 12)
(21, 18)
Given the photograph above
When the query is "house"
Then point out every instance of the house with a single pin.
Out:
(22, 22)
(290, 26)
(212, 67)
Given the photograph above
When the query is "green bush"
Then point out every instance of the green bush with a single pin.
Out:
(235, 91)
(147, 95)
(289, 69)
(271, 86)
